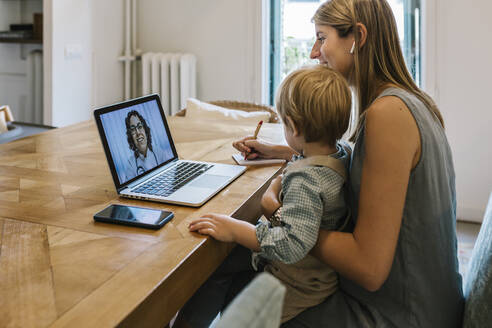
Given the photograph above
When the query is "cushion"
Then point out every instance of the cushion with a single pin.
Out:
(478, 284)
(197, 109)
(259, 305)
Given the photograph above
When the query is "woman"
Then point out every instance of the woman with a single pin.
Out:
(140, 142)
(399, 266)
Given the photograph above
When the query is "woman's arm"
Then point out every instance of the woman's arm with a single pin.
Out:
(392, 149)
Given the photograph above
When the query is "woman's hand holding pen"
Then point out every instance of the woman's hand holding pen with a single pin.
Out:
(253, 148)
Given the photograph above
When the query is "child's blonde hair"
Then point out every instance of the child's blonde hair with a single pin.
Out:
(318, 100)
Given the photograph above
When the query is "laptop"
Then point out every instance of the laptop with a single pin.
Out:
(143, 160)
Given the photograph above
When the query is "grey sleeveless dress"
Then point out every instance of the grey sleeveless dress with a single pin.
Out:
(423, 288)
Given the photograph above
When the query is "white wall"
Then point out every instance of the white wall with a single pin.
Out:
(458, 74)
(75, 85)
(13, 63)
(107, 46)
(225, 36)
(68, 85)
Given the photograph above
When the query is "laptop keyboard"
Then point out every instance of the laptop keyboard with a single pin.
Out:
(168, 182)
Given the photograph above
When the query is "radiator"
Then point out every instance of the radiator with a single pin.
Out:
(172, 76)
(34, 108)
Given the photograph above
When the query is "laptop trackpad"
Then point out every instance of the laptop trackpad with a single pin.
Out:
(209, 181)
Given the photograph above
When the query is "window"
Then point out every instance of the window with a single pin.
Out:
(292, 36)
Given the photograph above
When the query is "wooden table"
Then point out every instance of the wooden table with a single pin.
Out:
(59, 268)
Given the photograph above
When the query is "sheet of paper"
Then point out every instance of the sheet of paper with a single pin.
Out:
(241, 161)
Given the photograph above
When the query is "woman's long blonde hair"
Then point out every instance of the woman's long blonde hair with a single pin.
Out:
(380, 60)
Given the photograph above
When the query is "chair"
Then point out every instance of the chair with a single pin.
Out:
(259, 305)
(244, 106)
(5, 117)
(247, 107)
(478, 284)
(17, 130)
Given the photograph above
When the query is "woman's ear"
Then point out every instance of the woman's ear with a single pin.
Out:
(291, 125)
(362, 31)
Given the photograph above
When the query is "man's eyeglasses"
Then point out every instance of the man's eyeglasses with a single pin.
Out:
(134, 128)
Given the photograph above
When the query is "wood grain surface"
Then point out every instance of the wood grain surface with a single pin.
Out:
(59, 268)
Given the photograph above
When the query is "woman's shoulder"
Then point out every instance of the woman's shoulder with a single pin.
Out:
(389, 111)
(392, 97)
(391, 131)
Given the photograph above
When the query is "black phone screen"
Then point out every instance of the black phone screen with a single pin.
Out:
(133, 215)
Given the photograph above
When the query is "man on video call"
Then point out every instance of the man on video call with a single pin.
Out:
(140, 142)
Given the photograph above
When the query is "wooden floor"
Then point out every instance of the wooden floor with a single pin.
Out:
(467, 233)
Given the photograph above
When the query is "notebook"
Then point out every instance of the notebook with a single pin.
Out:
(239, 158)
(143, 159)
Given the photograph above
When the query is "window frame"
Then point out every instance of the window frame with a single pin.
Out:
(412, 40)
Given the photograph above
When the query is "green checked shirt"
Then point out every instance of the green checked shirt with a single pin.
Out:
(312, 198)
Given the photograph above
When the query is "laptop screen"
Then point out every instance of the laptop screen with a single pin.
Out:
(137, 138)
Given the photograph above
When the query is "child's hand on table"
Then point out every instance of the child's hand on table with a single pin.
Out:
(219, 226)
(228, 229)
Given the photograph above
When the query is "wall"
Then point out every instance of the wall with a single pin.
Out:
(458, 68)
(90, 76)
(229, 59)
(69, 60)
(107, 46)
(224, 35)
(13, 63)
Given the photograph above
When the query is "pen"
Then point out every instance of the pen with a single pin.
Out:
(255, 135)
(257, 129)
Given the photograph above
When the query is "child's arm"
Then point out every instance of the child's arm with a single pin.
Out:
(299, 218)
(226, 228)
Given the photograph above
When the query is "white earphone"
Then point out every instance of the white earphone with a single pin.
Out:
(353, 48)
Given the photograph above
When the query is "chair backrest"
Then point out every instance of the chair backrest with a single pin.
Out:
(259, 305)
(478, 284)
(248, 107)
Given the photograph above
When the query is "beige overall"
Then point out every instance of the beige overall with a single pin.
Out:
(309, 281)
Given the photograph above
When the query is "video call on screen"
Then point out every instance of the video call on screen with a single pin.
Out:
(137, 139)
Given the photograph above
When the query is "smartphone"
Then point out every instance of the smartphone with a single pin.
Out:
(134, 216)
